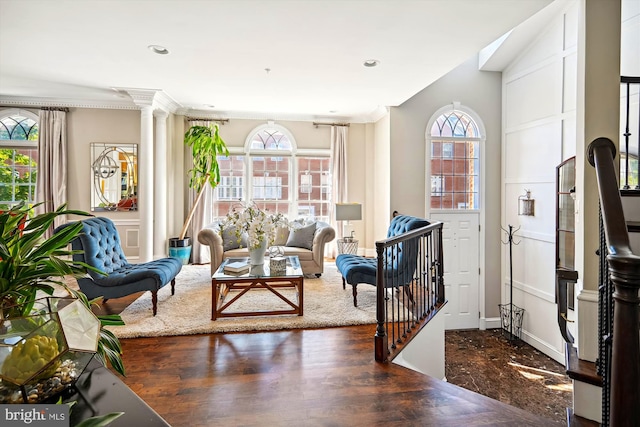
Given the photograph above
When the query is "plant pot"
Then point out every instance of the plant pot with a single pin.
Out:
(44, 353)
(180, 249)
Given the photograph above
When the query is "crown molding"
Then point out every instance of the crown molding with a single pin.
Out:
(166, 102)
(35, 102)
(134, 99)
(377, 113)
(257, 115)
(140, 97)
(156, 98)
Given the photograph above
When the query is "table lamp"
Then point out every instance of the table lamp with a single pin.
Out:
(347, 212)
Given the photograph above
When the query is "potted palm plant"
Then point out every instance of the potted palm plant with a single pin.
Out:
(35, 342)
(206, 145)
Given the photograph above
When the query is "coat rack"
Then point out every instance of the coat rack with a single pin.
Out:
(510, 314)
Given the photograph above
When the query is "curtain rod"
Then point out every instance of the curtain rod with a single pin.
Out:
(206, 119)
(316, 124)
(65, 109)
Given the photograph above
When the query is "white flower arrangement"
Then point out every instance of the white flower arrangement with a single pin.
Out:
(258, 224)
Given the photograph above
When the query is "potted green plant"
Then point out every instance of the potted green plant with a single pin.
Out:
(32, 266)
(206, 145)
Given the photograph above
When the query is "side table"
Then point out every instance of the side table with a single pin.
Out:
(347, 246)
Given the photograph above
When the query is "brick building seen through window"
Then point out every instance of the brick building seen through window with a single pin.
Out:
(455, 162)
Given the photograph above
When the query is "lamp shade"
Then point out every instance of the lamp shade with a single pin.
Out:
(348, 211)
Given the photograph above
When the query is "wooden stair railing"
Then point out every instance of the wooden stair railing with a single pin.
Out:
(624, 268)
(399, 320)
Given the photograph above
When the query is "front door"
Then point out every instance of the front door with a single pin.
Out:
(460, 237)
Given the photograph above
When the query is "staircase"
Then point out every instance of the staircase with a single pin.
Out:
(607, 380)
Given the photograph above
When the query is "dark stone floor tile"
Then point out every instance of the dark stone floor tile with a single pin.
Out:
(513, 372)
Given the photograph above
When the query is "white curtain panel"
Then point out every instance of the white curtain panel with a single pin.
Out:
(51, 182)
(339, 180)
(203, 215)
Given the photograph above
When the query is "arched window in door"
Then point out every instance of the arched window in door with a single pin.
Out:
(455, 162)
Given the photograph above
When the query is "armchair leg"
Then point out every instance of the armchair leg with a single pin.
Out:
(173, 287)
(344, 286)
(154, 301)
(355, 294)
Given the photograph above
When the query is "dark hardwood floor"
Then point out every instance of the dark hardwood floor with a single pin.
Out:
(322, 377)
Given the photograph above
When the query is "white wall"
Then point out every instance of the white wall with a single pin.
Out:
(539, 120)
(87, 125)
(380, 177)
(481, 92)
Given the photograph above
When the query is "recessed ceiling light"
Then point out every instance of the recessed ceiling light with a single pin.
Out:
(160, 50)
(371, 63)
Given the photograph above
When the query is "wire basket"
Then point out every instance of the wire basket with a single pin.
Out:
(511, 319)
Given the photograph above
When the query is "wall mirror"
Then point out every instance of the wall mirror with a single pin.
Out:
(114, 172)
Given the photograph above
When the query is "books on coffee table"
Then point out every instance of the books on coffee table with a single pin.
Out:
(237, 267)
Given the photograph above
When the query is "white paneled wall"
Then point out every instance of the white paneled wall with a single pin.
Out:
(539, 98)
(129, 231)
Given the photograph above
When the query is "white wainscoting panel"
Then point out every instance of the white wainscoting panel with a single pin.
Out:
(540, 326)
(544, 220)
(534, 96)
(571, 27)
(568, 137)
(570, 86)
(129, 231)
(530, 153)
(543, 49)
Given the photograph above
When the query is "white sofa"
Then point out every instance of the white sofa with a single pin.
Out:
(311, 260)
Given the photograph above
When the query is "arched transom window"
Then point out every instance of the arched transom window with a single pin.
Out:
(277, 176)
(18, 157)
(455, 162)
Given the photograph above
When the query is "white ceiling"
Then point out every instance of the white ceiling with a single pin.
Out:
(80, 51)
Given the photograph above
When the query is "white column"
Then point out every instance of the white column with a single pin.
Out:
(145, 184)
(598, 115)
(160, 191)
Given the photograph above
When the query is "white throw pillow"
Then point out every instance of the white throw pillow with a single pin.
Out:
(302, 236)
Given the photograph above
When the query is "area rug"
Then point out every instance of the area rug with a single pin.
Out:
(326, 304)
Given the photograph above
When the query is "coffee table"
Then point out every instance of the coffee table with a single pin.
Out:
(259, 277)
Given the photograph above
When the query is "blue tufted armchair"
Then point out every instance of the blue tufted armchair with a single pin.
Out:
(100, 243)
(401, 260)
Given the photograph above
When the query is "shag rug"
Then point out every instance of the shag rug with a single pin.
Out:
(326, 304)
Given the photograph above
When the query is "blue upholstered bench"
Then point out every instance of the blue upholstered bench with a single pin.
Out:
(401, 263)
(99, 242)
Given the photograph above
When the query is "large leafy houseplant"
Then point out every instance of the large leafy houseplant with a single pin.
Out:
(206, 145)
(31, 264)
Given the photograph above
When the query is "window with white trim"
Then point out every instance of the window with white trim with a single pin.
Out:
(276, 176)
(18, 157)
(231, 189)
(455, 162)
(314, 189)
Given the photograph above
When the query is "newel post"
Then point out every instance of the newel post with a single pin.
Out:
(381, 339)
(625, 354)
